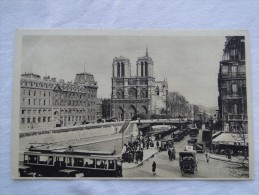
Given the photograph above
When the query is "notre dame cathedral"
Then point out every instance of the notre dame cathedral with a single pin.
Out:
(138, 94)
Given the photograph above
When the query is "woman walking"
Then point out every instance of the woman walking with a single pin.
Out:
(154, 167)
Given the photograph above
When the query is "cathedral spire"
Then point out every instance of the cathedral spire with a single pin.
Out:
(146, 51)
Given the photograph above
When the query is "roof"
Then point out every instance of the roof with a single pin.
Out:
(230, 138)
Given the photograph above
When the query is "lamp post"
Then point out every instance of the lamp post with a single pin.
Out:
(139, 123)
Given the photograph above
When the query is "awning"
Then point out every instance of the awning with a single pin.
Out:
(231, 139)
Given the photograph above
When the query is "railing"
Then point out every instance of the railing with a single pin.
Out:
(234, 117)
(233, 96)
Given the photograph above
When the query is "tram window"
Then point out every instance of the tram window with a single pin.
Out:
(89, 163)
(26, 158)
(69, 161)
(43, 159)
(101, 164)
(79, 162)
(50, 160)
(32, 159)
(111, 164)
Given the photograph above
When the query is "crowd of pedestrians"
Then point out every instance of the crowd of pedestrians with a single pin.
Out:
(133, 151)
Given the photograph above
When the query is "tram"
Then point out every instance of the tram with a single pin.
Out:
(54, 163)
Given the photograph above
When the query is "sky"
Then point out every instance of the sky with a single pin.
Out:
(189, 63)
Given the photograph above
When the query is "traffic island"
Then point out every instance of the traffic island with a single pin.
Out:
(146, 155)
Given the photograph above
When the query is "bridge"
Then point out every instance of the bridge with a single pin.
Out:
(173, 122)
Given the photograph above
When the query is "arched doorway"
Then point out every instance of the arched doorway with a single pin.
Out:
(143, 110)
(132, 111)
(121, 113)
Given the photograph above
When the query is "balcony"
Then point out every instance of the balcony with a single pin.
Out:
(235, 117)
(233, 97)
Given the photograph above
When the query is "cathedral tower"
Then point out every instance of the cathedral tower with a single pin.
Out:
(145, 66)
(121, 67)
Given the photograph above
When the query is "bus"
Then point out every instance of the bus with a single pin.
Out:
(54, 163)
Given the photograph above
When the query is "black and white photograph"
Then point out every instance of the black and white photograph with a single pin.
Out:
(132, 105)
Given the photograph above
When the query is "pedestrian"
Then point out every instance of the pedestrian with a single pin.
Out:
(157, 144)
(147, 145)
(208, 157)
(169, 153)
(154, 167)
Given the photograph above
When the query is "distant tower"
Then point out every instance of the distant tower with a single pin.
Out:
(121, 67)
(145, 66)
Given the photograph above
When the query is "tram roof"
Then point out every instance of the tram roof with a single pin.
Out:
(73, 151)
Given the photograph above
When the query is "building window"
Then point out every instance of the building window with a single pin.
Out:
(23, 120)
(39, 119)
(234, 88)
(39, 111)
(28, 120)
(118, 69)
(28, 111)
(23, 111)
(39, 101)
(44, 119)
(29, 102)
(34, 120)
(44, 102)
(44, 93)
(234, 70)
(34, 93)
(49, 102)
(48, 119)
(49, 94)
(29, 92)
(34, 101)
(23, 101)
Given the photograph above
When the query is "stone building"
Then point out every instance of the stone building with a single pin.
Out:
(99, 108)
(232, 100)
(49, 103)
(136, 94)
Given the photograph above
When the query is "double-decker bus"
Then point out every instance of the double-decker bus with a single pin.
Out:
(54, 163)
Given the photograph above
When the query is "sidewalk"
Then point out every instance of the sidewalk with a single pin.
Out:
(146, 155)
(239, 159)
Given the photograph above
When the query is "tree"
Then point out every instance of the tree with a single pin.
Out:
(106, 108)
(177, 104)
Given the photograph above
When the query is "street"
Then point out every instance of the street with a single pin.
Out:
(171, 169)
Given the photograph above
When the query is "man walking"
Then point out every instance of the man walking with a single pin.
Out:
(154, 167)
(207, 157)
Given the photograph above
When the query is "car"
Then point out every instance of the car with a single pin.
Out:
(188, 162)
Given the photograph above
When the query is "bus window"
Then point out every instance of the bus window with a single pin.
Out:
(79, 162)
(32, 159)
(43, 159)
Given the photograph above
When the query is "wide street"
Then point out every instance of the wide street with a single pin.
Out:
(170, 169)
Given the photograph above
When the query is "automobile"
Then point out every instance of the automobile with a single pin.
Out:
(111, 120)
(199, 147)
(192, 141)
(100, 120)
(26, 171)
(188, 162)
(165, 144)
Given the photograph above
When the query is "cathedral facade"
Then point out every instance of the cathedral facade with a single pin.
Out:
(140, 94)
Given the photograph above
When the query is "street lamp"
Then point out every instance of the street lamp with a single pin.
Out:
(139, 123)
